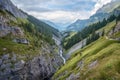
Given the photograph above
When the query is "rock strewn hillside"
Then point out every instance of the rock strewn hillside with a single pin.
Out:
(15, 66)
(27, 50)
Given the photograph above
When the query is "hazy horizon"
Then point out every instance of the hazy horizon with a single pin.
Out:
(63, 12)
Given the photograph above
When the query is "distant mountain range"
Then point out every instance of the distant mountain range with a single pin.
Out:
(102, 13)
(52, 24)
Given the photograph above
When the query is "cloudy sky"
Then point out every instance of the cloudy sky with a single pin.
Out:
(61, 12)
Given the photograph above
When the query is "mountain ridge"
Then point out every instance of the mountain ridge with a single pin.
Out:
(98, 16)
(8, 5)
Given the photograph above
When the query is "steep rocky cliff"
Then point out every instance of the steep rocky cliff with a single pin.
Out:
(8, 5)
(27, 50)
(15, 66)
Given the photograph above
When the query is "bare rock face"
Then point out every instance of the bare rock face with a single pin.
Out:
(73, 76)
(8, 5)
(6, 29)
(41, 67)
(13, 66)
(93, 64)
(115, 30)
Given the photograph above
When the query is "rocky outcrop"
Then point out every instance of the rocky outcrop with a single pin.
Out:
(117, 28)
(6, 29)
(93, 64)
(15, 31)
(25, 64)
(112, 33)
(14, 66)
(73, 76)
(21, 40)
(8, 5)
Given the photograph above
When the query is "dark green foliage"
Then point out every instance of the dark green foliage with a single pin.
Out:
(42, 29)
(85, 33)
(118, 17)
(28, 27)
(94, 36)
(111, 18)
(2, 11)
(89, 30)
(103, 32)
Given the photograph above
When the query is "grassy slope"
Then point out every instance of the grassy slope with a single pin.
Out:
(108, 27)
(7, 43)
(107, 54)
(68, 37)
(30, 32)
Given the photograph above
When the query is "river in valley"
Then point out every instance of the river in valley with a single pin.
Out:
(58, 42)
(61, 54)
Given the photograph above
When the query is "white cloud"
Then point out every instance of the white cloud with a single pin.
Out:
(62, 17)
(55, 10)
(99, 4)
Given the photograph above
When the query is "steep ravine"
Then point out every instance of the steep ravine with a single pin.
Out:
(58, 43)
(61, 55)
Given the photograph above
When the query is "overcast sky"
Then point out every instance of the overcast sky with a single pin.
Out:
(61, 12)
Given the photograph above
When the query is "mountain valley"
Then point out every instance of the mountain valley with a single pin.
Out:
(34, 49)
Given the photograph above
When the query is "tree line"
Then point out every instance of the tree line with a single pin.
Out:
(89, 30)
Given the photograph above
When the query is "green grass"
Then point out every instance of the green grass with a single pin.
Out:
(69, 65)
(96, 50)
(116, 35)
(71, 34)
(34, 37)
(107, 52)
(108, 27)
(16, 48)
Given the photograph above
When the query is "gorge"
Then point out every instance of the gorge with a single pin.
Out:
(34, 49)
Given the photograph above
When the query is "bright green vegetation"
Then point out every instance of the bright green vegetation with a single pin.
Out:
(116, 35)
(107, 54)
(9, 47)
(15, 47)
(70, 34)
(36, 32)
(31, 26)
(87, 31)
(108, 27)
